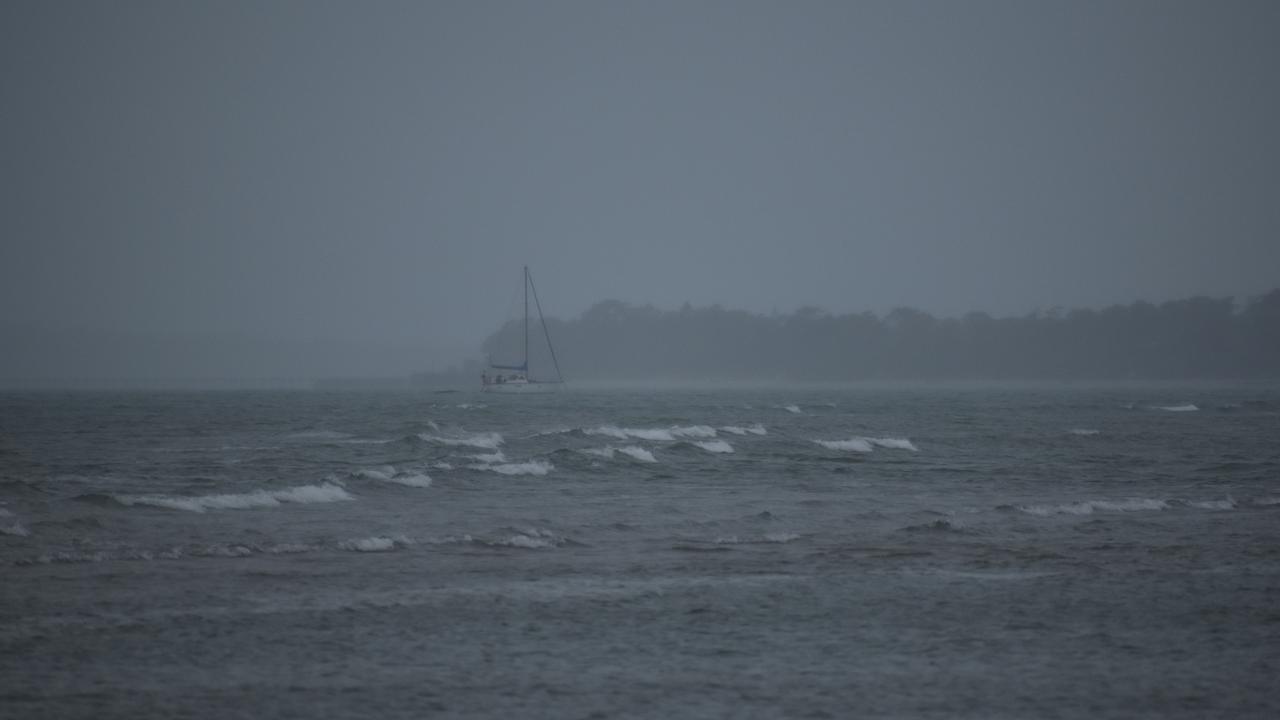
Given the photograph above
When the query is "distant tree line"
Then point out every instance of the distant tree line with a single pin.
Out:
(1198, 337)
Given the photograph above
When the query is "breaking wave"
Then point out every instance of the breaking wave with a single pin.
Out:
(656, 434)
(714, 446)
(529, 539)
(1083, 431)
(633, 451)
(867, 444)
(328, 492)
(533, 467)
(1178, 408)
(854, 444)
(489, 441)
(375, 544)
(387, 473)
(756, 429)
(794, 409)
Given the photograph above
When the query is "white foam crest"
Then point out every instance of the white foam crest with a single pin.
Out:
(893, 443)
(1267, 501)
(638, 453)
(756, 429)
(530, 539)
(382, 473)
(634, 451)
(1227, 504)
(471, 406)
(328, 492)
(1178, 408)
(654, 434)
(533, 467)
(488, 441)
(375, 544)
(524, 541)
(497, 457)
(855, 444)
(1087, 507)
(442, 466)
(1083, 431)
(795, 409)
(714, 446)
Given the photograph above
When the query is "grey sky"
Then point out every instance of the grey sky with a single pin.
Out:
(378, 172)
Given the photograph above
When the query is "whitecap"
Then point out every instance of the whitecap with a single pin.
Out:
(792, 409)
(867, 444)
(634, 451)
(374, 544)
(411, 479)
(1178, 408)
(654, 434)
(1083, 431)
(756, 429)
(855, 444)
(529, 539)
(328, 492)
(533, 467)
(1267, 501)
(524, 541)
(893, 443)
(490, 440)
(496, 457)
(714, 446)
(638, 453)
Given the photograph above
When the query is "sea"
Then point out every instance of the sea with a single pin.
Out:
(865, 551)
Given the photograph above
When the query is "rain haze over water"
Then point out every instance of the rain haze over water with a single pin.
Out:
(307, 190)
(922, 359)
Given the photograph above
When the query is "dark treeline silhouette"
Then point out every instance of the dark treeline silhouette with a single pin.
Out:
(1199, 337)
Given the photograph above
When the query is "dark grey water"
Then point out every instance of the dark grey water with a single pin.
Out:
(926, 552)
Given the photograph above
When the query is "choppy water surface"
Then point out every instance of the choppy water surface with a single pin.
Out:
(923, 552)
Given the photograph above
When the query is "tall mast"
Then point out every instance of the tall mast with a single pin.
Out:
(526, 320)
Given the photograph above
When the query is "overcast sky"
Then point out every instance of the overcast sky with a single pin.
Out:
(379, 172)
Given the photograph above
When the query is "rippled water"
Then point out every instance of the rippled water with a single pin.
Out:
(929, 551)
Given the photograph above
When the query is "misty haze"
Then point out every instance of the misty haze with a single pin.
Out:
(607, 359)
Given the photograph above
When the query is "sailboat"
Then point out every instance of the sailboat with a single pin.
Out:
(516, 378)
